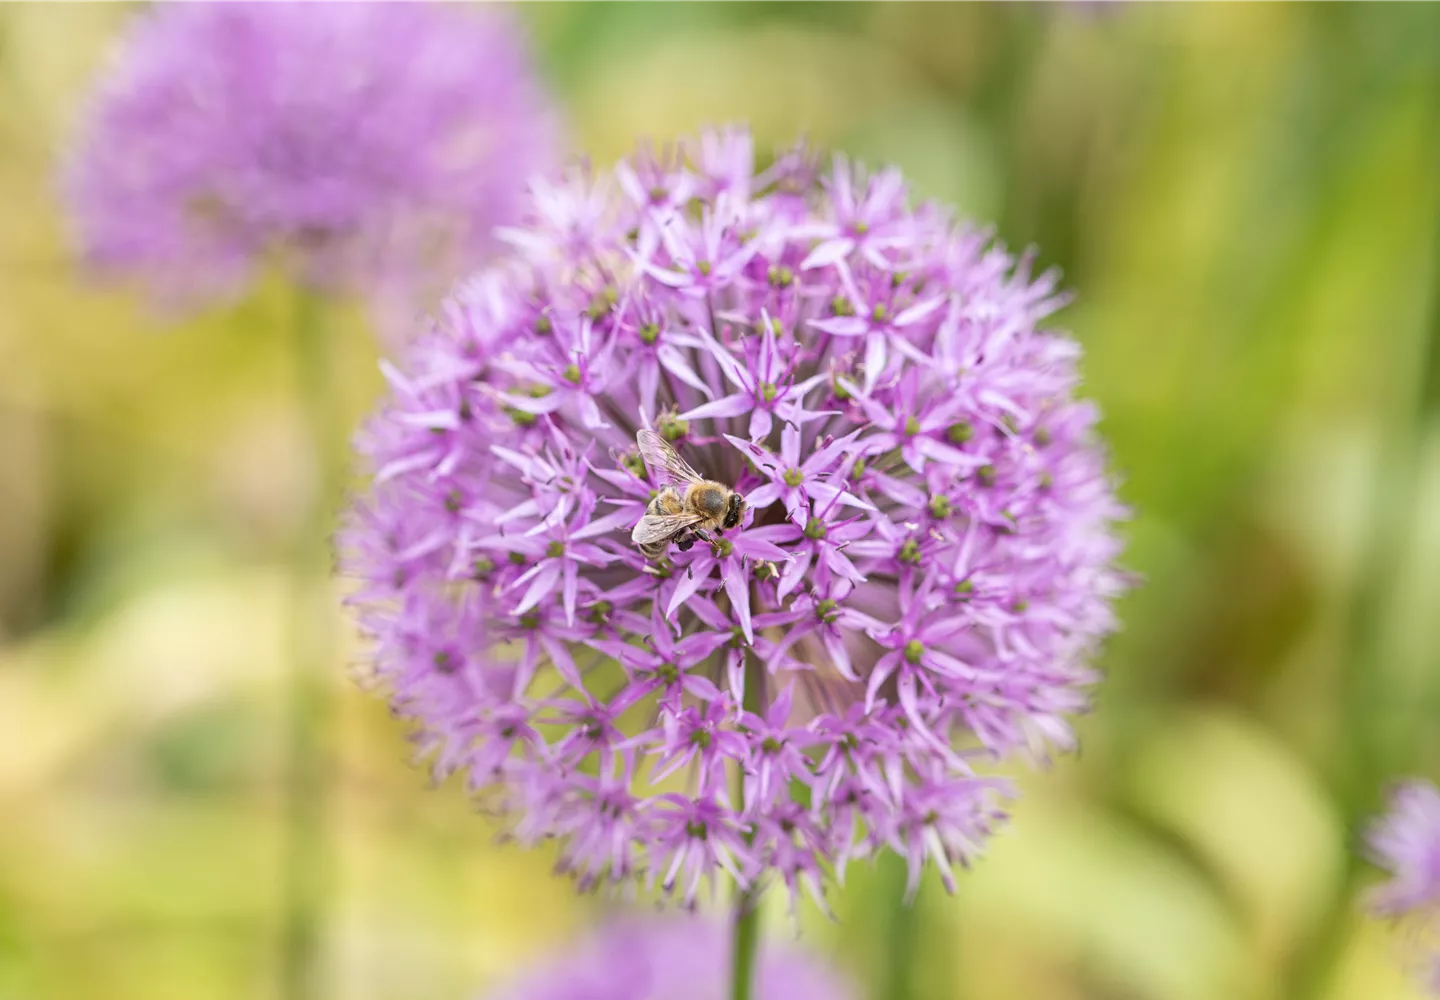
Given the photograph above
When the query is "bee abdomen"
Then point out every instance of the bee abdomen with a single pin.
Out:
(667, 501)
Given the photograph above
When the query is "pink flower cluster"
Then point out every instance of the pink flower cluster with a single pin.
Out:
(355, 142)
(633, 959)
(924, 571)
(1405, 841)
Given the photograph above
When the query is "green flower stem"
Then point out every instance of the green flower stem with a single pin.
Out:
(746, 936)
(305, 878)
(901, 935)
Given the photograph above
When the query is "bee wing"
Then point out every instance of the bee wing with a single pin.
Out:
(661, 527)
(664, 463)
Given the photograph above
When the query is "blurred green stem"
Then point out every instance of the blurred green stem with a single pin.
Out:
(305, 878)
(901, 934)
(1382, 750)
(746, 937)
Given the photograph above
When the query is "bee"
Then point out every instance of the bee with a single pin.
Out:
(688, 506)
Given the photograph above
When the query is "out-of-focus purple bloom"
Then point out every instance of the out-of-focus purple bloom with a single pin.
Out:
(924, 573)
(1405, 841)
(363, 145)
(634, 959)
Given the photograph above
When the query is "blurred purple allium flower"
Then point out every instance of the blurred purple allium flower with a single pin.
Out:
(925, 568)
(357, 143)
(670, 960)
(1405, 841)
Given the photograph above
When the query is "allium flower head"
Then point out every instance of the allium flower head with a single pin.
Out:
(924, 568)
(672, 960)
(347, 139)
(1406, 842)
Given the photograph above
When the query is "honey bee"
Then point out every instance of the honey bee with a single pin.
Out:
(688, 506)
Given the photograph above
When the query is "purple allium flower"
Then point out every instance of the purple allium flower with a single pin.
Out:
(358, 143)
(1406, 842)
(924, 571)
(634, 959)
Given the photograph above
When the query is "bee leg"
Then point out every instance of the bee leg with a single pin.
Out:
(702, 533)
(685, 544)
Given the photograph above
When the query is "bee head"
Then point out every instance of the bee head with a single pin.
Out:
(734, 511)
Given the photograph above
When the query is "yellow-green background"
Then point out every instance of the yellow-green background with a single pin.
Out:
(1246, 199)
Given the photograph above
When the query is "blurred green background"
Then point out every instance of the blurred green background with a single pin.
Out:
(1246, 198)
